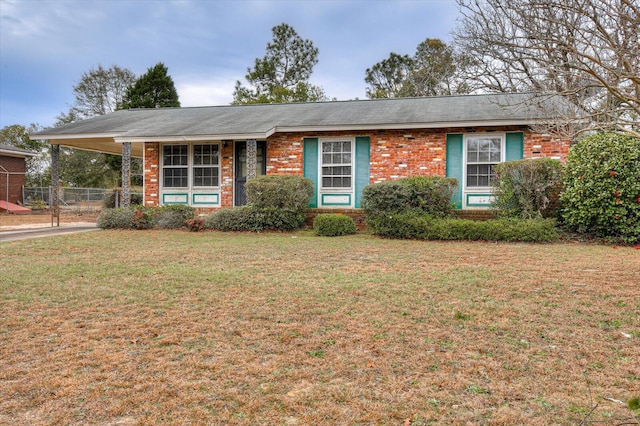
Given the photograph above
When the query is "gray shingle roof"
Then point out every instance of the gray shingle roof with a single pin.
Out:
(13, 151)
(263, 120)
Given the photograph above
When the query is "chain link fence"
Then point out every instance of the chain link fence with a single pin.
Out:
(75, 199)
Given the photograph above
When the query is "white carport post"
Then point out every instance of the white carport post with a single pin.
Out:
(126, 174)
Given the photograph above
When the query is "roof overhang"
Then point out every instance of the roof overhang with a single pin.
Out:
(101, 142)
(400, 126)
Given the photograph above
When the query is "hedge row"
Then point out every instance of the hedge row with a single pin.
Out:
(417, 226)
(250, 218)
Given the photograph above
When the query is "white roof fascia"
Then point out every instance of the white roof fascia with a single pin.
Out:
(194, 138)
(79, 136)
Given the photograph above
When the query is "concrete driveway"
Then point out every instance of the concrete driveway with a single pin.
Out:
(24, 232)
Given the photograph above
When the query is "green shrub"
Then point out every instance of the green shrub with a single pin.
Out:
(235, 219)
(140, 217)
(601, 195)
(110, 200)
(428, 195)
(432, 195)
(412, 225)
(527, 189)
(249, 218)
(279, 192)
(120, 218)
(333, 225)
(172, 216)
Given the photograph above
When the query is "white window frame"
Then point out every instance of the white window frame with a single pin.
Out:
(193, 166)
(470, 136)
(190, 166)
(164, 167)
(321, 164)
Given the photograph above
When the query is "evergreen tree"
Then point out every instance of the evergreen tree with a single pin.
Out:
(434, 70)
(155, 89)
(283, 74)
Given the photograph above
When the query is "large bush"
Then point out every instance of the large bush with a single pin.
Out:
(601, 195)
(274, 202)
(290, 193)
(428, 195)
(121, 218)
(527, 189)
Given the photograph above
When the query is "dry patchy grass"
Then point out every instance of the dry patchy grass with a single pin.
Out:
(166, 327)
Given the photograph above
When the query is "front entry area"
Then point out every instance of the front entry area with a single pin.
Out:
(240, 169)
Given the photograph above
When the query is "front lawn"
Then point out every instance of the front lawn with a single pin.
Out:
(172, 327)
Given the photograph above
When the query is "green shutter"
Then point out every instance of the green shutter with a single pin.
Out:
(362, 167)
(311, 167)
(514, 149)
(455, 164)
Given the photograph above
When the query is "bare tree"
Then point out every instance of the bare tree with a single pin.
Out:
(101, 91)
(588, 51)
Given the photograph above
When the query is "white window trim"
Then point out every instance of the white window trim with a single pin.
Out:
(190, 186)
(468, 136)
(321, 164)
(192, 166)
(162, 167)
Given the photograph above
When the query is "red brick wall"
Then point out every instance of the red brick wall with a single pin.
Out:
(397, 154)
(539, 146)
(394, 154)
(226, 175)
(16, 178)
(151, 173)
(285, 154)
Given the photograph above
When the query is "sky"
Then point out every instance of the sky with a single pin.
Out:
(207, 45)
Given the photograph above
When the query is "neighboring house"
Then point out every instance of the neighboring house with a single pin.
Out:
(13, 167)
(198, 156)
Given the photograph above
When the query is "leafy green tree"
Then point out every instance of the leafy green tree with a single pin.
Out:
(155, 89)
(37, 168)
(432, 71)
(282, 75)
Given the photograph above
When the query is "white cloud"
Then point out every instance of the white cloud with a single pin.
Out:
(199, 91)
